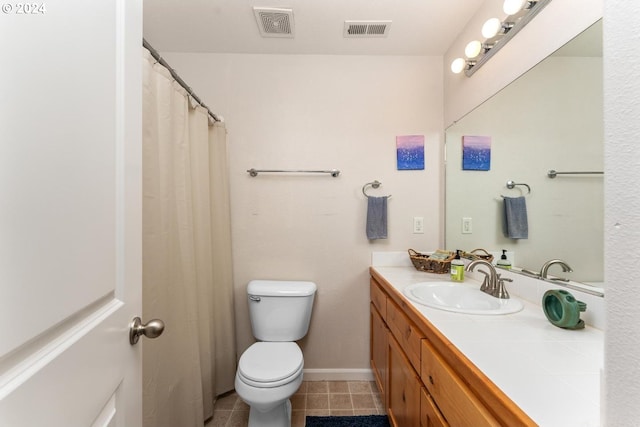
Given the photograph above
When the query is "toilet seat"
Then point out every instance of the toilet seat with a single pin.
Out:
(270, 364)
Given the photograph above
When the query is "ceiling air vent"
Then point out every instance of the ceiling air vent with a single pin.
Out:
(366, 28)
(274, 22)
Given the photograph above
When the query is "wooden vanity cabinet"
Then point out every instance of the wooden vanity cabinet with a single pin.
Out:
(423, 379)
(407, 334)
(395, 359)
(453, 396)
(403, 388)
(430, 415)
(379, 339)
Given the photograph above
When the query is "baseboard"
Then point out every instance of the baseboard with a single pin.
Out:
(338, 375)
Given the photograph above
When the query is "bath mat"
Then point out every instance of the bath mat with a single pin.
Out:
(352, 421)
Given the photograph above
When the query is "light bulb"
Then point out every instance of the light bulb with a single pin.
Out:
(491, 28)
(473, 49)
(511, 7)
(458, 65)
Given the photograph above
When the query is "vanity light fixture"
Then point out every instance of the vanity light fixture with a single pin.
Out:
(460, 64)
(497, 33)
(457, 66)
(511, 7)
(473, 49)
(494, 27)
(491, 28)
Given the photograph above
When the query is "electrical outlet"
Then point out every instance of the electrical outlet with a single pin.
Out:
(418, 225)
(467, 226)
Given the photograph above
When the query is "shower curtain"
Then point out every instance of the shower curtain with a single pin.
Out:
(187, 276)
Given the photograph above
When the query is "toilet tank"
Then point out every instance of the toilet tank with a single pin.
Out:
(280, 310)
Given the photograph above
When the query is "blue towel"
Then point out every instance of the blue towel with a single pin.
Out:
(515, 218)
(376, 218)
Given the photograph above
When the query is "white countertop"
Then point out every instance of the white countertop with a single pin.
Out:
(551, 373)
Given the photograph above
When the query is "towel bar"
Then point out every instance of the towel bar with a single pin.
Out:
(553, 173)
(254, 172)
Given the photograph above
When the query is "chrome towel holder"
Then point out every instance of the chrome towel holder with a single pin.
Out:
(254, 172)
(512, 184)
(374, 184)
(553, 173)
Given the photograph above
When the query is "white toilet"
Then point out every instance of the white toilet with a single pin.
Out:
(270, 371)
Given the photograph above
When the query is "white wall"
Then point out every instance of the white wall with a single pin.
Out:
(622, 219)
(323, 112)
(550, 118)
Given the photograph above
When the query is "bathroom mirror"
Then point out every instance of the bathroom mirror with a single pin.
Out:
(551, 118)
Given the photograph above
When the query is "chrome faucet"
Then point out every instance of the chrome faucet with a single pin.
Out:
(545, 269)
(501, 290)
(492, 284)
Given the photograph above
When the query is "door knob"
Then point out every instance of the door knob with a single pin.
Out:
(152, 329)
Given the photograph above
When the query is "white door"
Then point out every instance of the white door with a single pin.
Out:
(70, 212)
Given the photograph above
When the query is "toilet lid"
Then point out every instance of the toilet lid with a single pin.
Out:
(268, 362)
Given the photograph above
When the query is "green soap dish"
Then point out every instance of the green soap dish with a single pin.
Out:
(562, 309)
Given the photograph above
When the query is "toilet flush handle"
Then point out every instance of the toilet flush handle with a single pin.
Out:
(254, 298)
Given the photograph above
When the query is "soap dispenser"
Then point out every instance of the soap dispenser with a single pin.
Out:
(457, 268)
(503, 262)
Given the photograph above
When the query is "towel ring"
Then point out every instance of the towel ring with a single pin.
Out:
(512, 184)
(374, 184)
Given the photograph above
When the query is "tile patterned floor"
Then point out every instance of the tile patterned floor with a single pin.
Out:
(313, 398)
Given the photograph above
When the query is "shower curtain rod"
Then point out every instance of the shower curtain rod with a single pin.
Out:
(177, 78)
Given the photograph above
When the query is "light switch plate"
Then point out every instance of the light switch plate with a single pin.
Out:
(467, 225)
(418, 225)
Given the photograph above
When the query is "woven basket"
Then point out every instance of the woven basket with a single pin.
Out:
(477, 254)
(422, 262)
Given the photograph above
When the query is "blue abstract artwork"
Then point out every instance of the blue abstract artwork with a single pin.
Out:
(410, 152)
(476, 153)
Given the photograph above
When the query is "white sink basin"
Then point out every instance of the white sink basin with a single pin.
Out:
(460, 298)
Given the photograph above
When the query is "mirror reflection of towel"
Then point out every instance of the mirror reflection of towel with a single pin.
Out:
(376, 218)
(515, 218)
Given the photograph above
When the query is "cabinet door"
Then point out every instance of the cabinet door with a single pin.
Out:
(378, 351)
(458, 404)
(378, 298)
(403, 389)
(406, 332)
(430, 415)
